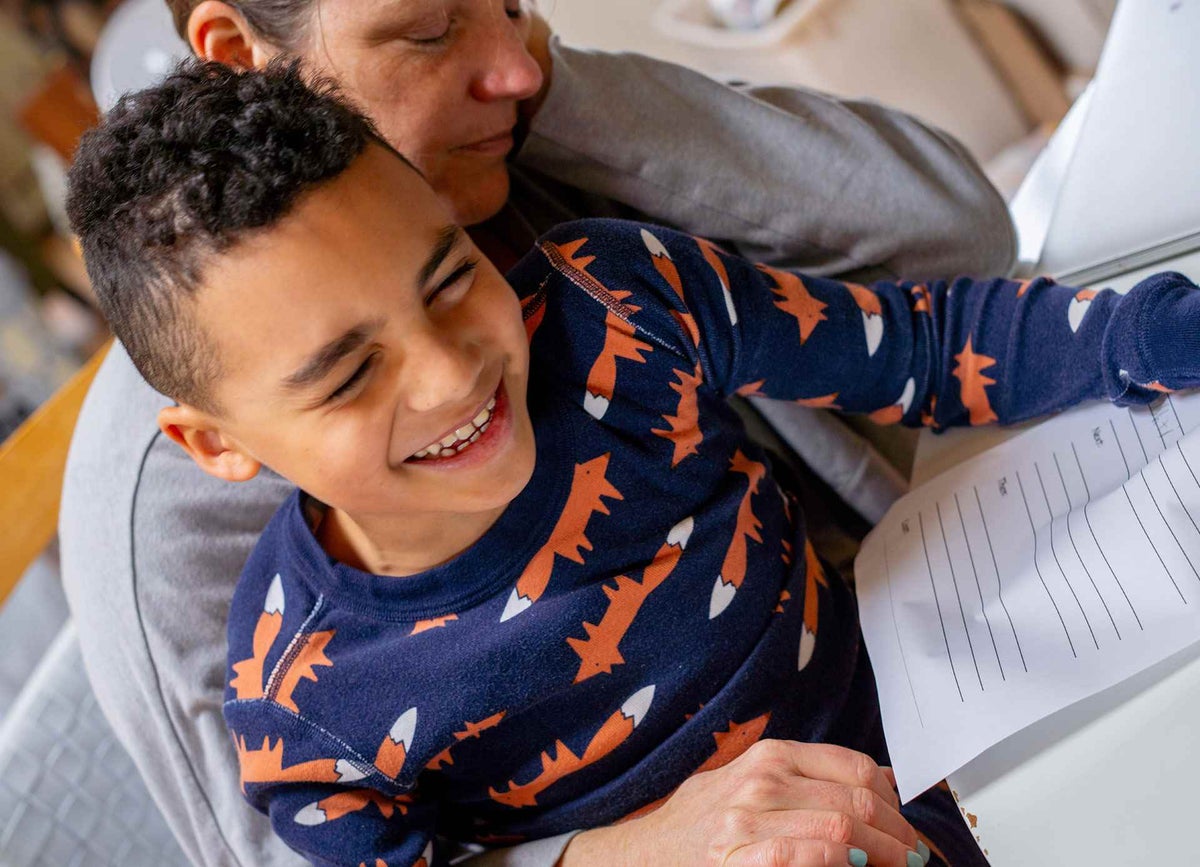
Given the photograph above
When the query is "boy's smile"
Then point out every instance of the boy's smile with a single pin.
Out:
(370, 355)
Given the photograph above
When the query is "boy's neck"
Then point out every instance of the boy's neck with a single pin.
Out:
(400, 546)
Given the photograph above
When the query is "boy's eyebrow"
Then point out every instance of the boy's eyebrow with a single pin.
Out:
(324, 360)
(447, 238)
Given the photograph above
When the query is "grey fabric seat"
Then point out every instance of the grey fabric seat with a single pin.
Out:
(69, 793)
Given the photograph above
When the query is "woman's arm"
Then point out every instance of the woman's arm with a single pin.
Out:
(788, 176)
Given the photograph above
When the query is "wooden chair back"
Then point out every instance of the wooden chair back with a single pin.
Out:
(32, 462)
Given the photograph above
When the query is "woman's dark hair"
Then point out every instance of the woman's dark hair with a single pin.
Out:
(280, 22)
(179, 173)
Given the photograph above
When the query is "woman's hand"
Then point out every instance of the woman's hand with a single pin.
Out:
(779, 803)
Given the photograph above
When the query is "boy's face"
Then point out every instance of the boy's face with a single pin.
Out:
(358, 332)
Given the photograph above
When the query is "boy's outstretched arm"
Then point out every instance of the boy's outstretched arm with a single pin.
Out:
(939, 354)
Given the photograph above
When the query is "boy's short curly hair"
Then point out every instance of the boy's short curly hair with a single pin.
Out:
(180, 172)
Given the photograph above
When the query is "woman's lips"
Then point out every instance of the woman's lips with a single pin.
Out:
(496, 145)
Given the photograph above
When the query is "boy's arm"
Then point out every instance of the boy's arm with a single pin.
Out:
(940, 354)
(331, 806)
(791, 176)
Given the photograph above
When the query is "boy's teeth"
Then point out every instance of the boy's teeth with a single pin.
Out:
(464, 436)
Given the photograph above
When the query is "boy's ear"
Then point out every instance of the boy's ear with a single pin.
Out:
(198, 434)
(217, 31)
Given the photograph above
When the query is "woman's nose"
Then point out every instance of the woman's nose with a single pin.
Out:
(508, 71)
(440, 371)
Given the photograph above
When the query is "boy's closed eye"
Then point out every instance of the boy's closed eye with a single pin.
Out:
(447, 291)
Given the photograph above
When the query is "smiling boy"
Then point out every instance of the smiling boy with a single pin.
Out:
(535, 575)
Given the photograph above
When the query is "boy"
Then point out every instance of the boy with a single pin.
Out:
(534, 575)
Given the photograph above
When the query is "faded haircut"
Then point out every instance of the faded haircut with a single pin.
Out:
(177, 174)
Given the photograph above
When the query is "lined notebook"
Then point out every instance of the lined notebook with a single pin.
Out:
(1032, 576)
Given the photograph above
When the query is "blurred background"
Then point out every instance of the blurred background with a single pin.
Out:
(998, 75)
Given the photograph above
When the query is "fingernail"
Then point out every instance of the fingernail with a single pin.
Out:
(915, 860)
(858, 858)
(923, 850)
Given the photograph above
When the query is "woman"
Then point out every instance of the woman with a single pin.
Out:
(517, 133)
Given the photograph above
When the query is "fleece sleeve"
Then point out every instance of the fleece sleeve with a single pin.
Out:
(940, 353)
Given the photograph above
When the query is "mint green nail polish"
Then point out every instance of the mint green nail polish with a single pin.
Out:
(858, 858)
(915, 860)
(923, 850)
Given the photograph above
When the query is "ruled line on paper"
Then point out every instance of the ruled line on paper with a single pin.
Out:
(1088, 520)
(1054, 553)
(937, 602)
(1071, 535)
(999, 581)
(979, 586)
(1086, 544)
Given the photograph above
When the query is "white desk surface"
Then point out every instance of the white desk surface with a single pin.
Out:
(1112, 780)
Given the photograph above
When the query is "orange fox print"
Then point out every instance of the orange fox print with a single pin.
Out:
(614, 732)
(665, 265)
(433, 623)
(922, 299)
(731, 743)
(309, 655)
(752, 389)
(397, 743)
(784, 596)
(589, 487)
(341, 804)
(426, 859)
(1079, 306)
(746, 526)
(813, 580)
(969, 373)
(795, 300)
(248, 682)
(872, 315)
(533, 310)
(379, 862)
(473, 730)
(929, 419)
(619, 335)
(1024, 285)
(895, 413)
(619, 342)
(825, 401)
(600, 651)
(265, 765)
(712, 255)
(684, 427)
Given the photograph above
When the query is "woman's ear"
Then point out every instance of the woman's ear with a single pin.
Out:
(217, 31)
(214, 451)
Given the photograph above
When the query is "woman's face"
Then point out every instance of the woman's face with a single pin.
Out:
(442, 80)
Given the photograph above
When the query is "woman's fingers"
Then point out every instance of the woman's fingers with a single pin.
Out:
(840, 765)
(883, 850)
(791, 852)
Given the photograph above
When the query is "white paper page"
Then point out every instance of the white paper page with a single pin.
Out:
(1039, 573)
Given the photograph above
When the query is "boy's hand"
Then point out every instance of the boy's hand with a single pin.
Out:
(779, 803)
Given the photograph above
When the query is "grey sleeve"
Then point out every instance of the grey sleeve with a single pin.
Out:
(151, 551)
(790, 176)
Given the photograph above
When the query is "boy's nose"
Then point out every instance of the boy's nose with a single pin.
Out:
(440, 372)
(508, 70)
